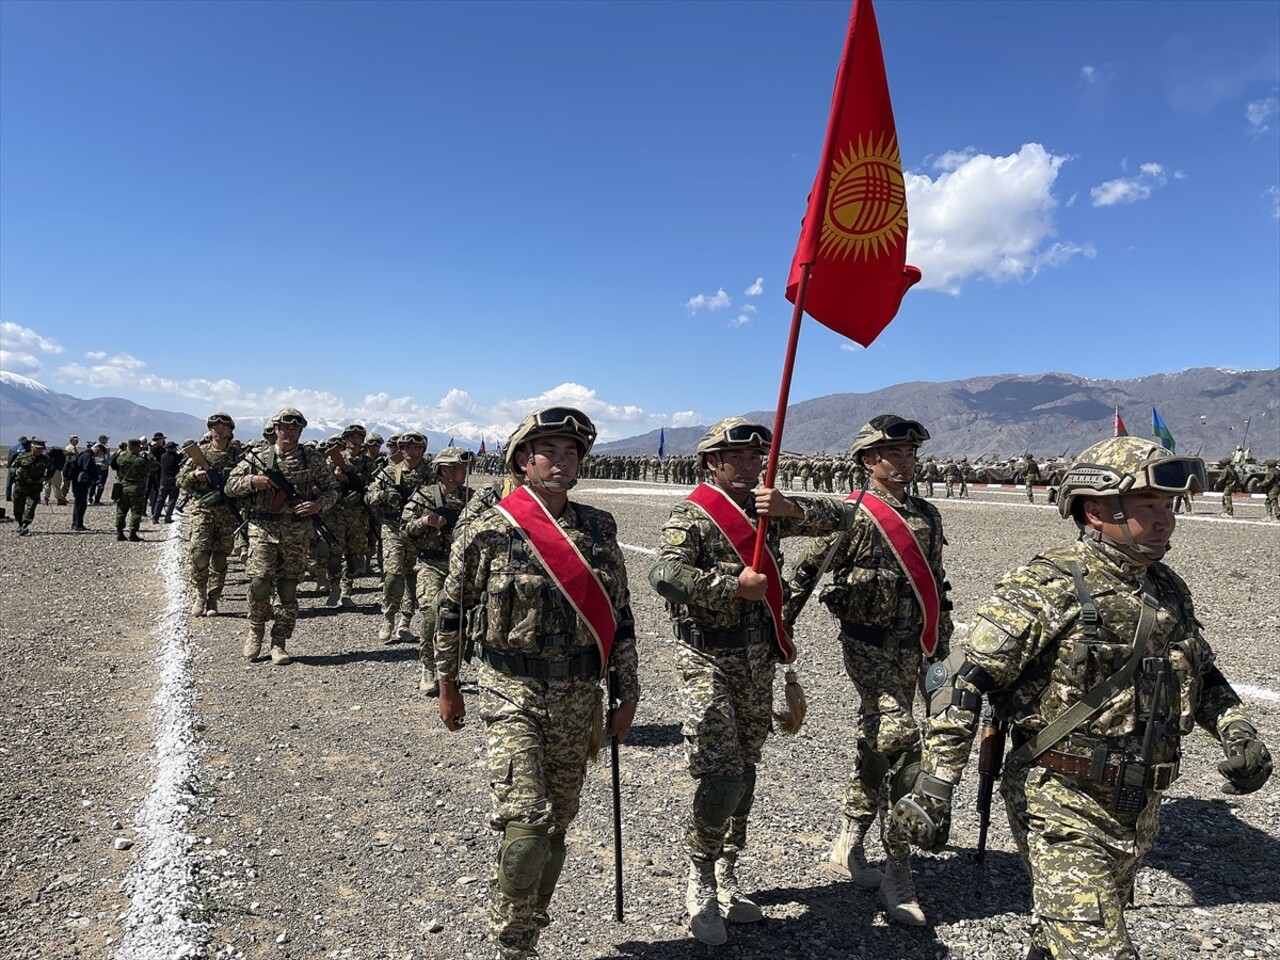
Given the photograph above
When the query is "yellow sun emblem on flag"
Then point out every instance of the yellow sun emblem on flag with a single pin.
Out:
(866, 210)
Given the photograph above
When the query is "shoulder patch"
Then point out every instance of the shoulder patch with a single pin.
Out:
(674, 536)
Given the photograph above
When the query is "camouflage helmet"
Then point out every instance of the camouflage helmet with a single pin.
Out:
(888, 429)
(453, 455)
(1271, 462)
(289, 415)
(373, 438)
(733, 433)
(353, 428)
(412, 436)
(552, 422)
(1121, 465)
(220, 417)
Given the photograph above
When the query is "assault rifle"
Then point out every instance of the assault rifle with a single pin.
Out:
(356, 484)
(287, 495)
(990, 759)
(216, 479)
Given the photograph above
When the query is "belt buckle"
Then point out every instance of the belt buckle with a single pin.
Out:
(557, 669)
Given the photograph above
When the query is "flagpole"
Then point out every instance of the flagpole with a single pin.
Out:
(780, 415)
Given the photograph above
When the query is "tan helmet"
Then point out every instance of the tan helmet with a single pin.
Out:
(373, 438)
(453, 455)
(289, 415)
(734, 433)
(413, 436)
(552, 422)
(885, 430)
(353, 428)
(1120, 465)
(220, 417)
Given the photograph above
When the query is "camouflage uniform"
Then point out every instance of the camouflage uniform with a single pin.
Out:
(29, 471)
(1032, 474)
(880, 623)
(537, 731)
(1229, 480)
(1053, 631)
(1270, 485)
(349, 520)
(211, 524)
(279, 542)
(133, 471)
(391, 487)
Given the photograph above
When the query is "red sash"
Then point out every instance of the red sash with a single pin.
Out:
(733, 522)
(566, 564)
(907, 550)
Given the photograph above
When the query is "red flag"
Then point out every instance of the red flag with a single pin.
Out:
(855, 230)
(1120, 428)
(481, 453)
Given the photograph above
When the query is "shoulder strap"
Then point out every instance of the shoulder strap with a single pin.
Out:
(1091, 704)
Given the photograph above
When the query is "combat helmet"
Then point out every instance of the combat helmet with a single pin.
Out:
(353, 428)
(289, 415)
(733, 433)
(1225, 461)
(453, 455)
(220, 417)
(887, 429)
(552, 422)
(1271, 462)
(1122, 465)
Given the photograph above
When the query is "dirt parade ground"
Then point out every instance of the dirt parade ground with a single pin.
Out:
(162, 798)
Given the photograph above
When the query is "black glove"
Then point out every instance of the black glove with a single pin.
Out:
(1248, 765)
(922, 817)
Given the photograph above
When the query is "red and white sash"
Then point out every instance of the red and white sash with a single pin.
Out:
(733, 522)
(907, 550)
(566, 564)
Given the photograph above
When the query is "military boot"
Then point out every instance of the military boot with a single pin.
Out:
(388, 628)
(279, 655)
(735, 906)
(705, 922)
(345, 597)
(119, 533)
(849, 856)
(253, 640)
(899, 894)
(427, 681)
(198, 604)
(133, 536)
(404, 627)
(211, 606)
(334, 592)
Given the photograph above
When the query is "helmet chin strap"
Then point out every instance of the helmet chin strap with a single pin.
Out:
(542, 483)
(1130, 547)
(740, 485)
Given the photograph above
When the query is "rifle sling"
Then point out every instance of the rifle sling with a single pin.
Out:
(1091, 704)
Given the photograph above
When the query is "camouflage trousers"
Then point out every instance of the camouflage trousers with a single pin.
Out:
(399, 562)
(431, 576)
(888, 734)
(131, 506)
(1228, 504)
(1031, 493)
(278, 552)
(537, 735)
(350, 526)
(211, 539)
(25, 499)
(1272, 512)
(1082, 858)
(728, 697)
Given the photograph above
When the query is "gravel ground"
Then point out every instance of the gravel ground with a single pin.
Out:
(332, 815)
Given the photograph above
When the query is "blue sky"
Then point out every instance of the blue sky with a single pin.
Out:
(451, 213)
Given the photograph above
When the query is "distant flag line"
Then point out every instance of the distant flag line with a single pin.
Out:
(1161, 432)
(1120, 430)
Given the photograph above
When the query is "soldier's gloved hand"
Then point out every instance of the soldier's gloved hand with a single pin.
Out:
(923, 817)
(1248, 763)
(394, 500)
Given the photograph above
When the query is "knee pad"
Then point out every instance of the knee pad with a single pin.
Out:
(872, 767)
(200, 560)
(903, 774)
(218, 561)
(288, 590)
(260, 589)
(552, 868)
(748, 791)
(522, 856)
(716, 797)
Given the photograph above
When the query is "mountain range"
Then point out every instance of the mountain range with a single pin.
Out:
(1205, 408)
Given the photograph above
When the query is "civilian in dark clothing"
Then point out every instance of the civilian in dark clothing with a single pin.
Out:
(19, 448)
(84, 479)
(155, 450)
(104, 469)
(170, 461)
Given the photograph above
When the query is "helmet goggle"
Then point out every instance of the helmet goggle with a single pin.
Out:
(565, 418)
(904, 431)
(748, 433)
(291, 420)
(220, 418)
(412, 438)
(1167, 475)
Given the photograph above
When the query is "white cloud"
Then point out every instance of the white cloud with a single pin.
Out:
(685, 418)
(1261, 115)
(1089, 73)
(1150, 177)
(96, 355)
(1274, 194)
(756, 288)
(850, 347)
(718, 301)
(985, 216)
(21, 348)
(741, 320)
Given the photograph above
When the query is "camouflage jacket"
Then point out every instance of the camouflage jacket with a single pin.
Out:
(494, 573)
(868, 585)
(433, 542)
(309, 471)
(133, 469)
(363, 467)
(203, 496)
(391, 486)
(696, 553)
(30, 470)
(1042, 657)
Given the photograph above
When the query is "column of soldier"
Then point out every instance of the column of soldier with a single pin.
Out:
(532, 587)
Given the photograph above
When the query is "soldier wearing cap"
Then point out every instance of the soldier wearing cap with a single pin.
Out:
(730, 645)
(350, 519)
(285, 488)
(134, 471)
(211, 519)
(1093, 657)
(390, 489)
(428, 521)
(883, 614)
(551, 583)
(30, 471)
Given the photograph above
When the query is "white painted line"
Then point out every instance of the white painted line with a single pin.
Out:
(1257, 693)
(631, 546)
(161, 884)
